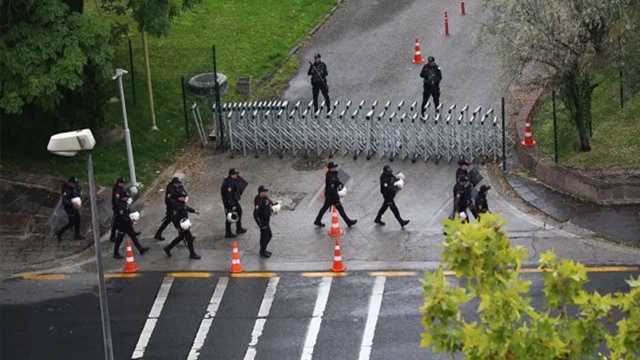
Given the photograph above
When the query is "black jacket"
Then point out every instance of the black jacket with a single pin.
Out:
(387, 187)
(332, 184)
(116, 195)
(179, 211)
(318, 73)
(122, 221)
(431, 75)
(230, 192)
(461, 172)
(461, 197)
(173, 193)
(481, 203)
(262, 210)
(69, 193)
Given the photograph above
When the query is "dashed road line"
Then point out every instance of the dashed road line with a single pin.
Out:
(156, 310)
(265, 308)
(205, 325)
(189, 274)
(316, 319)
(254, 275)
(372, 318)
(45, 277)
(324, 274)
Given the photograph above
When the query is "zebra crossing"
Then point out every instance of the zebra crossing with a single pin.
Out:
(284, 316)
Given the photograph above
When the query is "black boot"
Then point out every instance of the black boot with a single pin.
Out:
(379, 221)
(117, 256)
(404, 222)
(240, 229)
(350, 223)
(59, 236)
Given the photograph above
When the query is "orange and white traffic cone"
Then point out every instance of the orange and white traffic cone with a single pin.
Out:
(528, 137)
(236, 267)
(335, 223)
(417, 58)
(338, 265)
(130, 266)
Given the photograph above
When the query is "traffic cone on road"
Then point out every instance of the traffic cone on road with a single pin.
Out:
(335, 224)
(236, 267)
(417, 58)
(528, 137)
(338, 265)
(130, 266)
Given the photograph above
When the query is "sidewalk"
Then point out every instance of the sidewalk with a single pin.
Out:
(620, 222)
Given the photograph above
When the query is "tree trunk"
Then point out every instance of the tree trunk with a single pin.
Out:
(145, 53)
(578, 90)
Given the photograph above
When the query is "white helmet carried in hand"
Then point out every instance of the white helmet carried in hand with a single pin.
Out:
(186, 199)
(276, 207)
(129, 201)
(399, 183)
(232, 217)
(463, 216)
(76, 201)
(185, 224)
(342, 191)
(401, 176)
(135, 216)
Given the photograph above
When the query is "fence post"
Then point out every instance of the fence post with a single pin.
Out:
(555, 126)
(621, 86)
(504, 139)
(133, 81)
(220, 142)
(184, 108)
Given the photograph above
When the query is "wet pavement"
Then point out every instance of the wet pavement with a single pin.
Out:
(617, 222)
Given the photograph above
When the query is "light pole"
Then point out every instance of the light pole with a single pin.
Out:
(69, 144)
(127, 134)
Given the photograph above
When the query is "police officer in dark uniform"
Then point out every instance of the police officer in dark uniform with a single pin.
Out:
(388, 189)
(461, 197)
(431, 85)
(71, 190)
(180, 211)
(262, 215)
(116, 193)
(332, 185)
(463, 169)
(231, 194)
(481, 204)
(125, 224)
(173, 191)
(318, 72)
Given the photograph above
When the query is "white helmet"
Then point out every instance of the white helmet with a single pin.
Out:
(186, 199)
(276, 207)
(399, 183)
(135, 216)
(401, 176)
(463, 216)
(185, 224)
(76, 201)
(232, 217)
(129, 201)
(342, 191)
(133, 190)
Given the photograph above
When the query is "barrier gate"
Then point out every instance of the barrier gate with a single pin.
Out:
(279, 128)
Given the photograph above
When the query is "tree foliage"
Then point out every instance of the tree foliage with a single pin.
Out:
(45, 51)
(563, 36)
(571, 325)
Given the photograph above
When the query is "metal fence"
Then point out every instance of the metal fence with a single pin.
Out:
(388, 131)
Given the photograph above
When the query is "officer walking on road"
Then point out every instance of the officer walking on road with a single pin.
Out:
(180, 218)
(318, 72)
(332, 185)
(173, 191)
(231, 192)
(389, 189)
(70, 191)
(125, 225)
(262, 215)
(481, 204)
(461, 198)
(116, 193)
(431, 85)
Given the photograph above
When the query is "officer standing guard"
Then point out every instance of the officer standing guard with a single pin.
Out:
(125, 224)
(332, 185)
(262, 215)
(318, 72)
(461, 198)
(71, 193)
(180, 218)
(231, 192)
(173, 191)
(389, 189)
(431, 85)
(116, 193)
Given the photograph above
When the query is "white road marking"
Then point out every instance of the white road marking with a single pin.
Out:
(372, 318)
(265, 307)
(156, 309)
(316, 320)
(205, 325)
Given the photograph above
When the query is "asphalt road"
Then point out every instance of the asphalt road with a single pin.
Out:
(217, 317)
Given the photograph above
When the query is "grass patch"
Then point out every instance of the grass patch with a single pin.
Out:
(616, 131)
(252, 38)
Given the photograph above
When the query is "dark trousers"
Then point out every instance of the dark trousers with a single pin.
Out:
(327, 204)
(238, 224)
(317, 87)
(183, 235)
(389, 203)
(165, 222)
(73, 217)
(120, 238)
(265, 237)
(426, 93)
(114, 230)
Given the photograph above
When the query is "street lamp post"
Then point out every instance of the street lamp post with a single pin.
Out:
(69, 144)
(127, 134)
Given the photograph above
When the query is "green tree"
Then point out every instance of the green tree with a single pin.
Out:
(559, 39)
(153, 17)
(570, 326)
